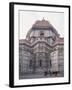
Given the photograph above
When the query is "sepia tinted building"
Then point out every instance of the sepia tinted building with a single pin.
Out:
(42, 52)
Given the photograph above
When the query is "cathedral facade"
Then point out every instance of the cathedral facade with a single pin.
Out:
(41, 54)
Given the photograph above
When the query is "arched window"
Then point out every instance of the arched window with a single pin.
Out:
(40, 63)
(30, 63)
(41, 33)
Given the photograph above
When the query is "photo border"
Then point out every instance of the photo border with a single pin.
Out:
(11, 42)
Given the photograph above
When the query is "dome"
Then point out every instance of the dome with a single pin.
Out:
(42, 25)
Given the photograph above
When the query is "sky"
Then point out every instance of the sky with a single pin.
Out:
(28, 18)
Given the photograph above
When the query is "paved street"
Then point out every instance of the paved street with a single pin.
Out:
(37, 75)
